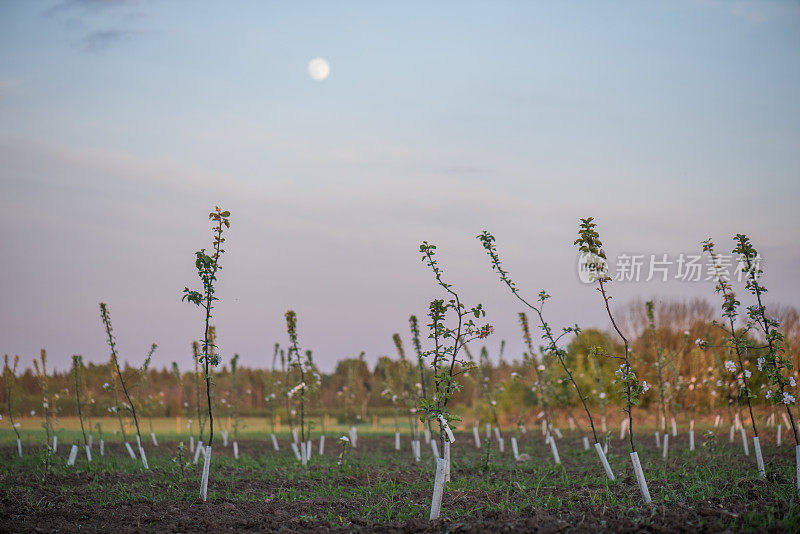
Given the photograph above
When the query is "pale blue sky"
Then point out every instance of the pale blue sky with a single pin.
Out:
(123, 123)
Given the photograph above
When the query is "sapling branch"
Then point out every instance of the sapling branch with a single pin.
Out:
(488, 242)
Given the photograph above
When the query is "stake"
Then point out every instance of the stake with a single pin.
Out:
(604, 460)
(553, 448)
(447, 461)
(637, 468)
(759, 459)
(73, 453)
(204, 481)
(744, 442)
(438, 488)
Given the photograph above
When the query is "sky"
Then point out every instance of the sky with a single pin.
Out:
(123, 123)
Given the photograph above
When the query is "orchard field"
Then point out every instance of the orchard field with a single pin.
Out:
(399, 267)
(675, 419)
(377, 488)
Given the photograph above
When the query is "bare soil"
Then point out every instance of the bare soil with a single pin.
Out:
(81, 501)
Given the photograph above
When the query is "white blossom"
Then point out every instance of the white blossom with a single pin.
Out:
(760, 363)
(747, 373)
(730, 366)
(792, 381)
(645, 386)
(295, 389)
(788, 398)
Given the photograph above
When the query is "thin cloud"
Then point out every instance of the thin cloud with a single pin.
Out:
(112, 21)
(100, 40)
(90, 5)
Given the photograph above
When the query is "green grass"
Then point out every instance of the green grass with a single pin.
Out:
(382, 486)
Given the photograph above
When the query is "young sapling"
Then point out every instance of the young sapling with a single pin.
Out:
(207, 269)
(414, 326)
(234, 396)
(111, 340)
(47, 424)
(305, 369)
(447, 343)
(775, 363)
(10, 380)
(77, 367)
(631, 389)
(736, 341)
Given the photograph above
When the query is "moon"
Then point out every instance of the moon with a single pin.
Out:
(318, 69)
